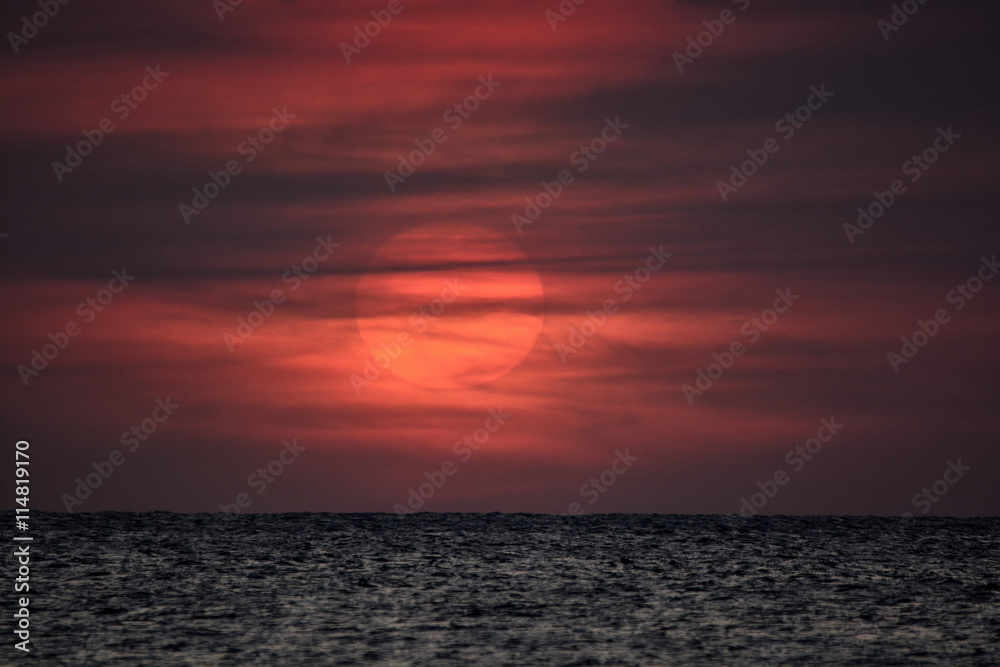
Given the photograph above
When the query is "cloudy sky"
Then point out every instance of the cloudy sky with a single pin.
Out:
(361, 245)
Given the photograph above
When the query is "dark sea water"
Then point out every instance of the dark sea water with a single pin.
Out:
(503, 589)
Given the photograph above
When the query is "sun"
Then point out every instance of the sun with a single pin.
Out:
(448, 306)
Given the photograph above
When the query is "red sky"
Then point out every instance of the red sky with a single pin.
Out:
(318, 190)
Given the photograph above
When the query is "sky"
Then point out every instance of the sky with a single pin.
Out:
(514, 256)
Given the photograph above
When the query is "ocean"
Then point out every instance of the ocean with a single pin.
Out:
(510, 589)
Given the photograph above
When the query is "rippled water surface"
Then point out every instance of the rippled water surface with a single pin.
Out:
(460, 589)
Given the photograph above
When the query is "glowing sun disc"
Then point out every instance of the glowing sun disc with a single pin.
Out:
(448, 306)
